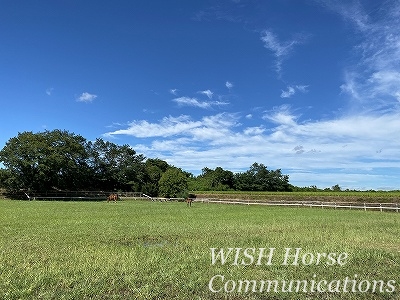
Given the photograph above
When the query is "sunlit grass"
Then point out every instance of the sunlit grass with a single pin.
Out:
(153, 250)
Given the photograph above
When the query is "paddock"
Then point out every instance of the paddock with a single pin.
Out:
(142, 249)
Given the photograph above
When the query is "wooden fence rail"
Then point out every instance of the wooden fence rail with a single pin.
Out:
(336, 205)
(102, 195)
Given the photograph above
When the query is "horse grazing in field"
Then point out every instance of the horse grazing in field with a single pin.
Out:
(189, 201)
(112, 197)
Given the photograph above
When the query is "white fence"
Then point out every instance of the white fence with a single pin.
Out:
(101, 195)
(335, 205)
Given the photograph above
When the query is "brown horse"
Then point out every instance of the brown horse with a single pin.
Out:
(189, 201)
(112, 197)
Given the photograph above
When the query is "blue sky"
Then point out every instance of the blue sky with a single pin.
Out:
(308, 86)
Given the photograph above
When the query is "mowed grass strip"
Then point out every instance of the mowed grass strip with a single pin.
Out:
(153, 250)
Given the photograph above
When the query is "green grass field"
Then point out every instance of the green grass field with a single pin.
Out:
(153, 250)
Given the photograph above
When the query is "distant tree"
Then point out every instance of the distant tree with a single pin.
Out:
(312, 188)
(115, 167)
(336, 188)
(259, 178)
(278, 181)
(162, 165)
(173, 183)
(154, 169)
(213, 180)
(222, 179)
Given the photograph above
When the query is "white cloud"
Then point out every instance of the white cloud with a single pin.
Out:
(86, 97)
(287, 94)
(281, 115)
(350, 10)
(49, 91)
(195, 102)
(350, 86)
(229, 85)
(281, 50)
(302, 88)
(373, 81)
(254, 130)
(349, 145)
(174, 91)
(187, 101)
(182, 125)
(208, 93)
(291, 90)
(168, 126)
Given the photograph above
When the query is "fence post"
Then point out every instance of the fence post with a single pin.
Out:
(365, 208)
(380, 205)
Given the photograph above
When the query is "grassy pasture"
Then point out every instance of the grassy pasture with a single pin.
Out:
(154, 250)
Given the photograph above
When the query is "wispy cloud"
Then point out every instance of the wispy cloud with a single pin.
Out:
(281, 49)
(281, 115)
(302, 88)
(86, 97)
(174, 92)
(208, 93)
(221, 11)
(229, 85)
(291, 90)
(49, 91)
(350, 10)
(188, 101)
(195, 102)
(289, 93)
(254, 130)
(178, 126)
(373, 82)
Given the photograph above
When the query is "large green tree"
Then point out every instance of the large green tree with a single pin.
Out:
(259, 178)
(63, 160)
(115, 167)
(154, 169)
(213, 180)
(173, 183)
(46, 160)
(4, 178)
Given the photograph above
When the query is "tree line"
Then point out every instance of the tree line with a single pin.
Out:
(61, 160)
